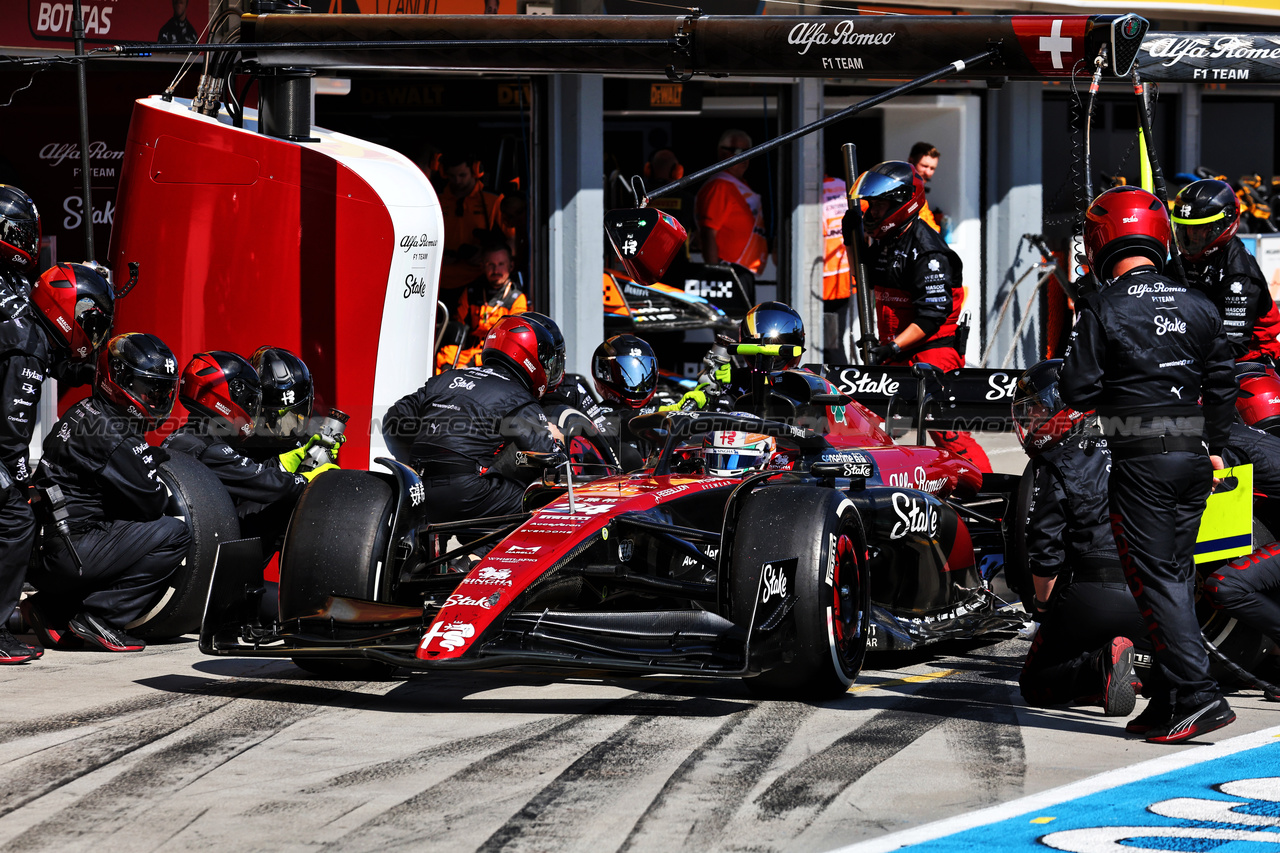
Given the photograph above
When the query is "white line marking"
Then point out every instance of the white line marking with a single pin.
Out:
(1054, 796)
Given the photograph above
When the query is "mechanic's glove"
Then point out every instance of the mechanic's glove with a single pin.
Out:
(316, 472)
(292, 459)
(723, 373)
(338, 441)
(849, 226)
(884, 352)
(695, 399)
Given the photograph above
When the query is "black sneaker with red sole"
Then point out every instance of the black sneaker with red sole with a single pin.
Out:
(1119, 695)
(103, 635)
(14, 651)
(1154, 716)
(50, 633)
(1188, 723)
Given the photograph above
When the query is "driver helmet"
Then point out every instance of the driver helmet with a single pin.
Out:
(76, 305)
(138, 373)
(223, 388)
(891, 194)
(1206, 215)
(732, 453)
(772, 323)
(19, 230)
(287, 392)
(555, 369)
(1123, 222)
(1040, 417)
(527, 349)
(625, 371)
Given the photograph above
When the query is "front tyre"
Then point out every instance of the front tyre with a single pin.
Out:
(831, 615)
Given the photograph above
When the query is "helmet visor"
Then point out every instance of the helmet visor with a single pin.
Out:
(93, 320)
(22, 234)
(1032, 408)
(725, 462)
(155, 391)
(637, 375)
(881, 195)
(1195, 235)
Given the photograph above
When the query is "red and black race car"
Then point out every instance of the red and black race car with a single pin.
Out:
(783, 576)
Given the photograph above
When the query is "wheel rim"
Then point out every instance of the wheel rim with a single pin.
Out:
(846, 604)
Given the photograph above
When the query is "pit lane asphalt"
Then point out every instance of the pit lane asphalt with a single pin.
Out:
(169, 750)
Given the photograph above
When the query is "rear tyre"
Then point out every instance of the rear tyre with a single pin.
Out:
(337, 544)
(198, 498)
(1017, 564)
(831, 614)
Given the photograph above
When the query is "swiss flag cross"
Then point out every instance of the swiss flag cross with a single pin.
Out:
(1053, 44)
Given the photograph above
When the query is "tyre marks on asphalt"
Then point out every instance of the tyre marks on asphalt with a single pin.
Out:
(698, 800)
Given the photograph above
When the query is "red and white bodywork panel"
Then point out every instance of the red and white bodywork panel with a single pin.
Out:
(329, 248)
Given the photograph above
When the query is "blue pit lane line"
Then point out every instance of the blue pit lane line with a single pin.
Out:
(1224, 798)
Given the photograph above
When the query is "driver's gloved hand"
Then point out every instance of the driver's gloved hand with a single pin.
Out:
(883, 353)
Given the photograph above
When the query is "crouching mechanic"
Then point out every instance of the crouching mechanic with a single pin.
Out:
(223, 395)
(55, 328)
(918, 284)
(1083, 651)
(125, 546)
(455, 428)
(1151, 358)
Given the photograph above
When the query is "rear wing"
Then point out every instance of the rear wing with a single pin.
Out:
(921, 397)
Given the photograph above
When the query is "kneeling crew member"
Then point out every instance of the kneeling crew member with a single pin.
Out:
(453, 427)
(918, 284)
(223, 395)
(1206, 215)
(55, 328)
(126, 546)
(1144, 354)
(1083, 650)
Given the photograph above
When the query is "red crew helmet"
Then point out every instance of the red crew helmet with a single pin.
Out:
(1126, 221)
(76, 306)
(224, 388)
(525, 347)
(138, 373)
(892, 195)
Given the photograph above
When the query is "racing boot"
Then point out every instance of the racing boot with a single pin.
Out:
(1156, 715)
(50, 631)
(1186, 723)
(101, 634)
(14, 651)
(1118, 694)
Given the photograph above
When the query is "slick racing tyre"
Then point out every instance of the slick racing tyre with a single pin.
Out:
(1017, 564)
(1241, 644)
(337, 544)
(586, 444)
(798, 578)
(197, 497)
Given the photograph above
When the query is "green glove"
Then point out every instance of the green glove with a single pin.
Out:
(723, 373)
(695, 399)
(337, 445)
(316, 472)
(292, 459)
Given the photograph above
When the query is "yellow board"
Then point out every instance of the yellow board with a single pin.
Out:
(1226, 528)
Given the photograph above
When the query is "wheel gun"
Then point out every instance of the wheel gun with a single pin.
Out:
(328, 435)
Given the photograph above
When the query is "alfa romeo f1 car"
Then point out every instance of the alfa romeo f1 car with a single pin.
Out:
(783, 576)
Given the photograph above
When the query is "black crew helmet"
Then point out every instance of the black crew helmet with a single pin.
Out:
(773, 323)
(625, 371)
(19, 230)
(1040, 417)
(1206, 215)
(287, 392)
(138, 373)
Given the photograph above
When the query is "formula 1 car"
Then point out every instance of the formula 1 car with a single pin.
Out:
(783, 576)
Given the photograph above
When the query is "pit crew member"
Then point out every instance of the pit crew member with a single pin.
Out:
(483, 303)
(1206, 215)
(1084, 648)
(918, 284)
(223, 395)
(452, 429)
(125, 547)
(55, 329)
(1150, 357)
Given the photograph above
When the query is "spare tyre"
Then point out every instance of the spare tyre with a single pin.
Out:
(197, 497)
